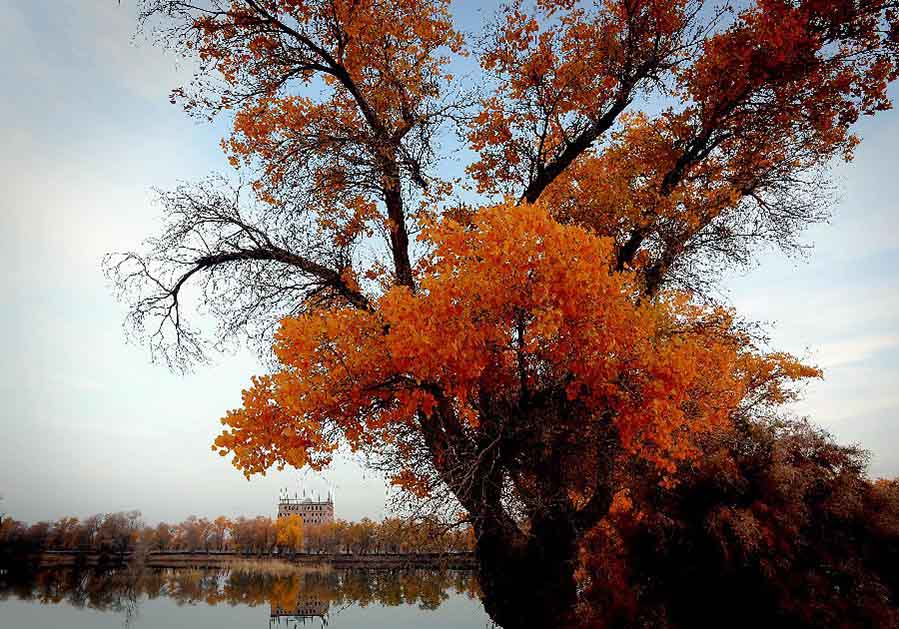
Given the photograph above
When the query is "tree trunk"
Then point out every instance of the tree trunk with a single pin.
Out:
(529, 582)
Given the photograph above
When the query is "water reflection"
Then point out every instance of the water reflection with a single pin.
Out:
(307, 608)
(306, 596)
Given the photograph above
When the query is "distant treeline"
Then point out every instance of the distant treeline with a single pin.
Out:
(126, 532)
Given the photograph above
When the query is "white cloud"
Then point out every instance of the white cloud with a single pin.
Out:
(855, 350)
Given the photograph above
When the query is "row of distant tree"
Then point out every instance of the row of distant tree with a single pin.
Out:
(126, 531)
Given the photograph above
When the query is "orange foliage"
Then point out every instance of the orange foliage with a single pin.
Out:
(584, 65)
(483, 327)
(377, 66)
(289, 532)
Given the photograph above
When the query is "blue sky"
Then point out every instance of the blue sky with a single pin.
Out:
(90, 425)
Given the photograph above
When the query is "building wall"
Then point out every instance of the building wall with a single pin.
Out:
(311, 512)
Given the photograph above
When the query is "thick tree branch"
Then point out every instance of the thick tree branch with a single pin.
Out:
(548, 173)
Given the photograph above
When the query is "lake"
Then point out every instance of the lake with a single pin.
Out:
(305, 597)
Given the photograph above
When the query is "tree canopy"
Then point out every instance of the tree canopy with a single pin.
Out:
(507, 340)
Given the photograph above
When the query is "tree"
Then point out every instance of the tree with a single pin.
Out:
(391, 535)
(195, 533)
(290, 533)
(775, 525)
(89, 529)
(220, 528)
(119, 531)
(164, 536)
(240, 535)
(65, 533)
(560, 326)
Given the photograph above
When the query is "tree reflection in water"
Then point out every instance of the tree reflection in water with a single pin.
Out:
(311, 593)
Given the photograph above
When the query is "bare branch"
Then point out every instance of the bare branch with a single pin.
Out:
(248, 277)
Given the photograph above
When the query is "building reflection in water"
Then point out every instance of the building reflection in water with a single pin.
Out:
(307, 609)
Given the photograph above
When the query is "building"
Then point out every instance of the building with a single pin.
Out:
(312, 511)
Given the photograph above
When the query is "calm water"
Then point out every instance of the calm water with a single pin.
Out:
(314, 597)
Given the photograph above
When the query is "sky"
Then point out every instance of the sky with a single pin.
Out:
(91, 425)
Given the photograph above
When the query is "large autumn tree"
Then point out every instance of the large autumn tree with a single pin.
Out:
(507, 353)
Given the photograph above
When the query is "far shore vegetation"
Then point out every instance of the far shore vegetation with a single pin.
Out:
(242, 537)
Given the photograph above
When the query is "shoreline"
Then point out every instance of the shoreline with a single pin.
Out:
(222, 559)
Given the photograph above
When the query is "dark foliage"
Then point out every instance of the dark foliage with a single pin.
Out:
(776, 526)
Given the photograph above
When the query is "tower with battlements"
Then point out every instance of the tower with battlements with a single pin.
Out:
(313, 511)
